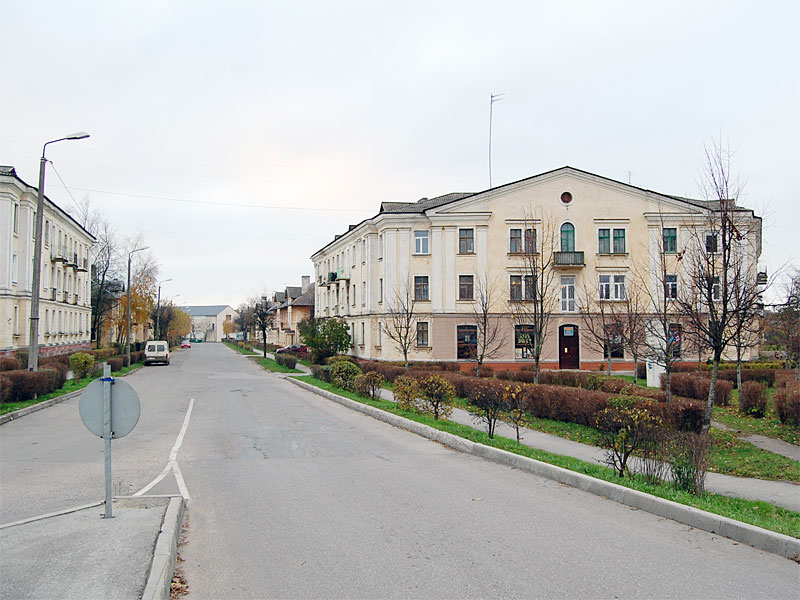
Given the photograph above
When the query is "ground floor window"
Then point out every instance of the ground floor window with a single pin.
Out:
(467, 341)
(614, 344)
(523, 341)
(422, 334)
(675, 339)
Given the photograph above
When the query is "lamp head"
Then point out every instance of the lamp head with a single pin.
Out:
(80, 135)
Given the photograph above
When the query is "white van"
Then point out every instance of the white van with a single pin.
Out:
(156, 351)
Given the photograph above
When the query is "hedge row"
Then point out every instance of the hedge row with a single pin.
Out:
(787, 403)
(697, 387)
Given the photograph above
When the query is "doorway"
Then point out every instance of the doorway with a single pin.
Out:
(568, 347)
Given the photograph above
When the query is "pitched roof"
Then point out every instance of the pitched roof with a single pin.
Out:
(205, 311)
(423, 204)
(306, 299)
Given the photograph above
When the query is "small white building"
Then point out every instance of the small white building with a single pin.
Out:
(208, 321)
(65, 310)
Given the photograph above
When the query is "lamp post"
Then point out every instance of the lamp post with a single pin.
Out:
(33, 342)
(158, 309)
(128, 325)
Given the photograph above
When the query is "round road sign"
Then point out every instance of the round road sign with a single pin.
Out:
(125, 408)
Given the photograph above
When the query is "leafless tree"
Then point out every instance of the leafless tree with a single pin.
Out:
(601, 322)
(788, 321)
(261, 316)
(717, 291)
(400, 323)
(532, 301)
(490, 326)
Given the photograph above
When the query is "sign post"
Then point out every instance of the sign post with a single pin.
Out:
(110, 409)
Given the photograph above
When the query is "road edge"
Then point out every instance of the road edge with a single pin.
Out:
(763, 539)
(166, 550)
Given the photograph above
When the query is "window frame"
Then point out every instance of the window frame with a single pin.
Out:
(614, 238)
(423, 328)
(567, 232)
(466, 240)
(465, 343)
(712, 235)
(673, 238)
(568, 304)
(422, 286)
(515, 282)
(463, 285)
(670, 287)
(417, 242)
(601, 238)
(515, 240)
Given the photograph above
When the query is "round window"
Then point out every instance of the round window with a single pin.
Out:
(566, 198)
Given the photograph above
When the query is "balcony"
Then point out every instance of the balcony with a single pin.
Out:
(57, 255)
(83, 265)
(72, 261)
(568, 259)
(331, 277)
(53, 294)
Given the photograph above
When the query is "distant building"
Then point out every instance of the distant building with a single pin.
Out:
(208, 321)
(289, 308)
(65, 307)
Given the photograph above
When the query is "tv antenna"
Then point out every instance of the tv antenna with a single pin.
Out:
(492, 99)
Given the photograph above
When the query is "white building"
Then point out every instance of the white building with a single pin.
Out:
(65, 300)
(208, 321)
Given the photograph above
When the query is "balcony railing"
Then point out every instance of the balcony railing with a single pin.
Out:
(569, 259)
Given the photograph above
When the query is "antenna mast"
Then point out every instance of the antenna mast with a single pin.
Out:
(492, 99)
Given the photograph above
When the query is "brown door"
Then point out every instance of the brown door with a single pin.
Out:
(568, 347)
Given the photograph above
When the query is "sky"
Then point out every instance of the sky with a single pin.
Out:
(238, 137)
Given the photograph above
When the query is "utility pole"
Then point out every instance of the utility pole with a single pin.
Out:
(492, 99)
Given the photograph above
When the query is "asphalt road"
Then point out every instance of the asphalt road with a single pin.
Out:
(293, 496)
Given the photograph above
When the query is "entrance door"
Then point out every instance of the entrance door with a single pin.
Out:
(568, 347)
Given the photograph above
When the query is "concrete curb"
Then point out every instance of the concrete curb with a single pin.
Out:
(160, 578)
(757, 537)
(8, 417)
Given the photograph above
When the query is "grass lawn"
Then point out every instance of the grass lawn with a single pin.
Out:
(760, 514)
(72, 385)
(271, 365)
(770, 425)
(240, 350)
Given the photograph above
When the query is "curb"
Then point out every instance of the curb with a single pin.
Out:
(744, 533)
(160, 578)
(8, 417)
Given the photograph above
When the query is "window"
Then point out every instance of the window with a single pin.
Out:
(613, 343)
(363, 334)
(603, 241)
(568, 293)
(605, 287)
(421, 242)
(671, 287)
(421, 287)
(352, 334)
(422, 334)
(515, 241)
(711, 243)
(380, 246)
(619, 241)
(516, 287)
(15, 218)
(466, 341)
(466, 241)
(14, 268)
(530, 287)
(675, 339)
(363, 251)
(465, 287)
(353, 299)
(619, 287)
(567, 237)
(523, 341)
(380, 290)
(47, 233)
(530, 241)
(16, 321)
(363, 293)
(669, 237)
(380, 334)
(716, 291)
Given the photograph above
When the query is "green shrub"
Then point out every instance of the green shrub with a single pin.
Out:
(368, 384)
(488, 401)
(406, 392)
(438, 396)
(626, 428)
(343, 373)
(321, 372)
(81, 364)
(689, 460)
(286, 360)
(753, 399)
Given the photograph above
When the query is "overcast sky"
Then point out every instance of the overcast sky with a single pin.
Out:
(239, 137)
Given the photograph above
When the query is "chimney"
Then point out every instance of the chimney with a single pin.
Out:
(306, 281)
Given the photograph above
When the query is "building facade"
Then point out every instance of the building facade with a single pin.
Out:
(208, 322)
(65, 295)
(288, 309)
(596, 243)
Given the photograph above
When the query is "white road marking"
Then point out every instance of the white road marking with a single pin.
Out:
(172, 463)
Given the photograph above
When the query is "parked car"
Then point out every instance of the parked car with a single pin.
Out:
(156, 351)
(185, 344)
(292, 348)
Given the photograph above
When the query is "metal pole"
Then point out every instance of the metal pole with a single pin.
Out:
(33, 348)
(158, 313)
(107, 433)
(128, 310)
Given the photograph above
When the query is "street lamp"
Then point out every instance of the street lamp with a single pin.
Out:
(158, 309)
(33, 343)
(128, 327)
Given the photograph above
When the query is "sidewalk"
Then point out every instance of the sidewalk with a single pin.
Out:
(780, 493)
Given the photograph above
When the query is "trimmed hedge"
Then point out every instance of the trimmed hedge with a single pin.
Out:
(286, 360)
(787, 403)
(753, 399)
(697, 387)
(10, 364)
(22, 385)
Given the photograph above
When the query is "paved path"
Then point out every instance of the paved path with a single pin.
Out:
(765, 443)
(780, 493)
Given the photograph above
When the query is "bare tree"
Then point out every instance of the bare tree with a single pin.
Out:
(401, 320)
(262, 317)
(532, 300)
(631, 318)
(717, 292)
(489, 325)
(788, 321)
(601, 322)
